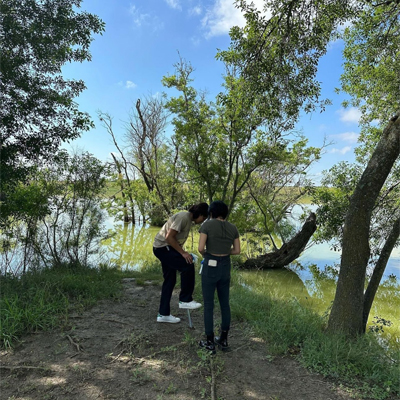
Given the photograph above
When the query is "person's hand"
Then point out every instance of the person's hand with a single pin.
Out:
(188, 257)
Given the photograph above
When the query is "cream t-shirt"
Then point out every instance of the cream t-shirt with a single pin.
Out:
(180, 222)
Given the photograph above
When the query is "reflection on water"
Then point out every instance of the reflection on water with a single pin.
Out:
(312, 281)
(130, 246)
(322, 255)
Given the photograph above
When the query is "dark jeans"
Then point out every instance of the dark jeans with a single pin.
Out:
(219, 278)
(172, 261)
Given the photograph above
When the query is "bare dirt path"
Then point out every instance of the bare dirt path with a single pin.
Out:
(117, 350)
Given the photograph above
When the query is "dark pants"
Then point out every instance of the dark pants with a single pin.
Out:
(218, 278)
(172, 261)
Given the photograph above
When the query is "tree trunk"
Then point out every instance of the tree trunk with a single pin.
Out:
(347, 309)
(121, 182)
(379, 270)
(288, 252)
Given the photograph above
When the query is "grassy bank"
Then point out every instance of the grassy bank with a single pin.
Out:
(289, 328)
(43, 300)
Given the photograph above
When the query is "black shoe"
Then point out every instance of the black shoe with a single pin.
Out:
(208, 345)
(222, 341)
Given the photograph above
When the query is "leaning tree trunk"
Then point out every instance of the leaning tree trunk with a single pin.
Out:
(379, 270)
(347, 309)
(288, 252)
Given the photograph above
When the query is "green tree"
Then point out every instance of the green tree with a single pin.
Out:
(277, 187)
(37, 110)
(371, 68)
(371, 78)
(281, 54)
(64, 221)
(193, 117)
(351, 305)
(71, 233)
(155, 157)
(147, 159)
(277, 55)
(221, 144)
(333, 199)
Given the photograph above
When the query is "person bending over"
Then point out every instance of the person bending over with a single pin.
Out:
(168, 248)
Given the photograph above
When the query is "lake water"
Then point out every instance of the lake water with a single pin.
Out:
(130, 247)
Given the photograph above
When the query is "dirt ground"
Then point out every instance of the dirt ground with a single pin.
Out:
(117, 350)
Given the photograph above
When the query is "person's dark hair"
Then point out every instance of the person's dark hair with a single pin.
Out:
(218, 209)
(199, 209)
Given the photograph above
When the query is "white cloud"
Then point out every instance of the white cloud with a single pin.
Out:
(224, 15)
(351, 115)
(322, 127)
(138, 18)
(174, 4)
(145, 20)
(130, 85)
(344, 150)
(350, 137)
(195, 10)
(195, 40)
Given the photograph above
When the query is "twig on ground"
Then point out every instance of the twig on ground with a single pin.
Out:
(118, 356)
(21, 367)
(213, 385)
(78, 346)
(156, 353)
(113, 320)
(241, 347)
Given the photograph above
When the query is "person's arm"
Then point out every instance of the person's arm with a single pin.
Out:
(236, 247)
(202, 243)
(171, 240)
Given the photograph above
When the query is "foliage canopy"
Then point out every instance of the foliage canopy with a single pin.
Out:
(37, 110)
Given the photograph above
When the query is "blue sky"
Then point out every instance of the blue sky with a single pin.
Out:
(140, 44)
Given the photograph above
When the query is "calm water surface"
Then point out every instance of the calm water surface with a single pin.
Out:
(311, 280)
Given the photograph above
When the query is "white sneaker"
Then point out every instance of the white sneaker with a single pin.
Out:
(191, 305)
(168, 318)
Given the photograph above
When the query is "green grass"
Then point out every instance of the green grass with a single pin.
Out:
(361, 363)
(42, 300)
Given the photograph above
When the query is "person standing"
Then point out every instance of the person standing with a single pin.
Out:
(219, 239)
(168, 248)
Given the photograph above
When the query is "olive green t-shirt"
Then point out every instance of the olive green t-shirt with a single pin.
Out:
(180, 222)
(220, 236)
